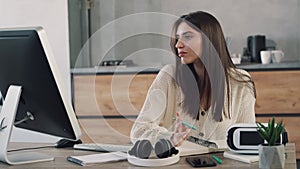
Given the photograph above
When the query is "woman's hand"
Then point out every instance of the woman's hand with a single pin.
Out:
(181, 132)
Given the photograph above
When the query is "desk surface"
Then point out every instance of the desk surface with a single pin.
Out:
(61, 162)
(116, 131)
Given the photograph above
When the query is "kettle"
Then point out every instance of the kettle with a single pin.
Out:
(255, 44)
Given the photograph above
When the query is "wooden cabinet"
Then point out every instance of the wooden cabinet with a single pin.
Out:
(278, 94)
(110, 95)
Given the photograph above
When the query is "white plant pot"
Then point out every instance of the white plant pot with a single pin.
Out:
(271, 156)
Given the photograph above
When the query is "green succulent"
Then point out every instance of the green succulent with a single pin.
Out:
(270, 133)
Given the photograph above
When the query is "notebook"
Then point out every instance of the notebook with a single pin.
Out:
(86, 160)
(103, 147)
(190, 148)
(246, 158)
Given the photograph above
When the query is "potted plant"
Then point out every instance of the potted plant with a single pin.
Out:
(271, 154)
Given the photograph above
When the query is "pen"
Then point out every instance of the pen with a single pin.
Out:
(77, 161)
(187, 124)
(217, 159)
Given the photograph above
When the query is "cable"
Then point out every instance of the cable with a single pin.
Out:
(28, 116)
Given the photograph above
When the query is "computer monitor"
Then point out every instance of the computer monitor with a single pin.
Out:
(35, 97)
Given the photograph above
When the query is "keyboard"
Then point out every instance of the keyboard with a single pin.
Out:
(102, 147)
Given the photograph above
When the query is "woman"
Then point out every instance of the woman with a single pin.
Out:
(203, 89)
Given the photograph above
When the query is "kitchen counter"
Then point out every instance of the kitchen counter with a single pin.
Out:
(151, 70)
(269, 67)
(114, 70)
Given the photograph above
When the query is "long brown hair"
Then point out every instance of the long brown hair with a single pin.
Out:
(216, 62)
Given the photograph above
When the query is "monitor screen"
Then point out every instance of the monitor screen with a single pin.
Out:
(27, 61)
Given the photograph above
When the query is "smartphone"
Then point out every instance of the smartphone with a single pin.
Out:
(202, 161)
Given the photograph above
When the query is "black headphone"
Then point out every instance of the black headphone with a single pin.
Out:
(143, 148)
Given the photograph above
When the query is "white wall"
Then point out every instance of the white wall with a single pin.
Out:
(52, 15)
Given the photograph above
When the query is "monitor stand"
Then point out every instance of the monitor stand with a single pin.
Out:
(7, 118)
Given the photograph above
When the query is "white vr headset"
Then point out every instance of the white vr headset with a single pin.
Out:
(244, 138)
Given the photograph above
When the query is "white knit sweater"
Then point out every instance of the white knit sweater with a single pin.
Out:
(156, 118)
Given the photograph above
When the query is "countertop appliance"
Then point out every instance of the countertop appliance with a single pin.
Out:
(256, 43)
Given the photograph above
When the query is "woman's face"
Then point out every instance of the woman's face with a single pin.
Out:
(189, 43)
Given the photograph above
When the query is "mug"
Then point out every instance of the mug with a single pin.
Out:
(277, 56)
(266, 56)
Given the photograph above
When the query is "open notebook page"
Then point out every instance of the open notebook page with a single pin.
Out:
(190, 148)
